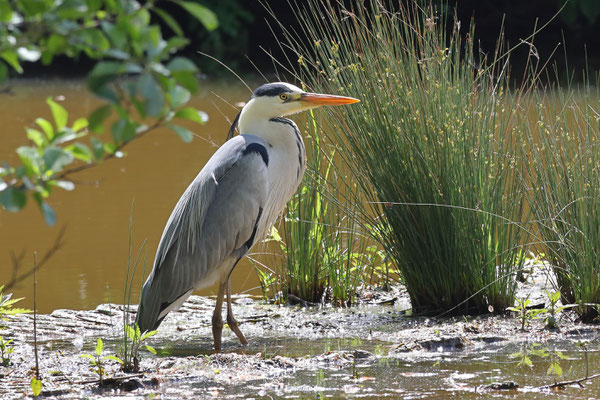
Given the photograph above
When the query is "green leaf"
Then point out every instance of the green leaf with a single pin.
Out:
(151, 349)
(55, 158)
(98, 147)
(30, 157)
(187, 80)
(179, 96)
(11, 58)
(99, 347)
(202, 14)
(88, 356)
(130, 332)
(49, 213)
(81, 152)
(183, 133)
(97, 118)
(114, 358)
(105, 72)
(123, 130)
(170, 21)
(116, 34)
(36, 386)
(59, 114)
(46, 127)
(13, 199)
(181, 64)
(36, 137)
(148, 334)
(154, 98)
(79, 124)
(192, 114)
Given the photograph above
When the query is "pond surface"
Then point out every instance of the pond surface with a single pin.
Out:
(90, 268)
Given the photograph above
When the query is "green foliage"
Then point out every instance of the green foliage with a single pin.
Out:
(5, 351)
(143, 85)
(432, 145)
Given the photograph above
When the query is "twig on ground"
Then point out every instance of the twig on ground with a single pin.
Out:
(560, 385)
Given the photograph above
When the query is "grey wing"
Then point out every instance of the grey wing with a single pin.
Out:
(212, 226)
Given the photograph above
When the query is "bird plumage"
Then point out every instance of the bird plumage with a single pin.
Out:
(220, 217)
(231, 204)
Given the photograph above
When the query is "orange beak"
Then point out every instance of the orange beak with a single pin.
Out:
(326, 99)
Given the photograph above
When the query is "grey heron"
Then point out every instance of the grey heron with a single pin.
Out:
(231, 205)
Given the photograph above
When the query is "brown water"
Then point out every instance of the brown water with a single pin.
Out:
(91, 267)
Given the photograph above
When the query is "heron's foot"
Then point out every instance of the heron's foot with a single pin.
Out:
(233, 325)
(217, 328)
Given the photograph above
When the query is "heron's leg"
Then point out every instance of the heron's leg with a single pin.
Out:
(233, 325)
(217, 320)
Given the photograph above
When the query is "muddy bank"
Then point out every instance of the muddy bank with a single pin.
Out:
(371, 351)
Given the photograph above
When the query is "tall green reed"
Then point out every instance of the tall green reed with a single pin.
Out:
(431, 144)
(563, 150)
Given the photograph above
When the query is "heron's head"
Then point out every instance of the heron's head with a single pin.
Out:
(277, 99)
(280, 98)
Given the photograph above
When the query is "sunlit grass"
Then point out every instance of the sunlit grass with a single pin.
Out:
(563, 154)
(432, 145)
(322, 256)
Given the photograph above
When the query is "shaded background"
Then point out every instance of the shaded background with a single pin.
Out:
(243, 33)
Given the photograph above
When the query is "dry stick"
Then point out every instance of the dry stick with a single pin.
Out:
(35, 349)
(560, 385)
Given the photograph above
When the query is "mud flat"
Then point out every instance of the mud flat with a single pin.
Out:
(374, 350)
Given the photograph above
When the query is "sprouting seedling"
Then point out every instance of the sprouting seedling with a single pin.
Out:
(97, 361)
(525, 313)
(130, 362)
(553, 310)
(5, 351)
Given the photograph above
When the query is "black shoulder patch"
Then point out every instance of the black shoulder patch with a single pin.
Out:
(258, 148)
(271, 89)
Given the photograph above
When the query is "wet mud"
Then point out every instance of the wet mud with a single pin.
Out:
(374, 350)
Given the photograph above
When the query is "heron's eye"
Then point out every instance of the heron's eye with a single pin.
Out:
(283, 96)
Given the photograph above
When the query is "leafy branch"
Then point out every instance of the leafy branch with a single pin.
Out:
(143, 83)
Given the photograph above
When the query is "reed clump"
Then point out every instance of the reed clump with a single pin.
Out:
(563, 153)
(432, 145)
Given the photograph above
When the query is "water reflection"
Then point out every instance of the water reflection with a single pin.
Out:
(90, 268)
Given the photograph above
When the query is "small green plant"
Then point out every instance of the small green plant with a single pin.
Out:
(525, 313)
(267, 279)
(553, 310)
(97, 361)
(538, 350)
(6, 305)
(132, 339)
(136, 339)
(5, 351)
